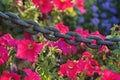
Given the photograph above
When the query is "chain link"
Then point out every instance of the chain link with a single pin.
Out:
(50, 33)
(70, 41)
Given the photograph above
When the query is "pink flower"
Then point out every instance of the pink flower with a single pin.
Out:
(45, 6)
(97, 33)
(1, 32)
(9, 76)
(91, 67)
(110, 75)
(63, 4)
(3, 55)
(62, 28)
(83, 33)
(70, 69)
(6, 39)
(86, 56)
(61, 44)
(27, 36)
(66, 48)
(80, 5)
(17, 0)
(28, 50)
(31, 75)
(87, 64)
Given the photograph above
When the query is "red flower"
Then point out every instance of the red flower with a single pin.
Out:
(80, 5)
(110, 75)
(61, 44)
(45, 6)
(27, 36)
(97, 33)
(83, 33)
(9, 76)
(3, 55)
(1, 32)
(6, 39)
(71, 69)
(86, 56)
(28, 50)
(63, 4)
(62, 28)
(31, 75)
(66, 48)
(91, 67)
(87, 64)
(17, 0)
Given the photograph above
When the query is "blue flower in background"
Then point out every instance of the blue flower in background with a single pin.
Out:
(103, 24)
(94, 8)
(106, 5)
(95, 21)
(103, 15)
(115, 20)
(81, 20)
(95, 14)
(107, 25)
(99, 1)
(113, 11)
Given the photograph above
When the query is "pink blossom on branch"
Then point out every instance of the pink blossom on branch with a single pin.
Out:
(28, 50)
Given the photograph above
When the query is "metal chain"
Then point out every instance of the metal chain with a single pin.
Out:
(50, 33)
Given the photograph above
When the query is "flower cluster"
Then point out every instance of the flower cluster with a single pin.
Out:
(87, 65)
(12, 75)
(25, 49)
(46, 6)
(104, 15)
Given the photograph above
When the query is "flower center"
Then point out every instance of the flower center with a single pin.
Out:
(70, 66)
(30, 46)
(11, 78)
(62, 0)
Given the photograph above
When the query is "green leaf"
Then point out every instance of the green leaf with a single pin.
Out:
(117, 51)
(5, 2)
